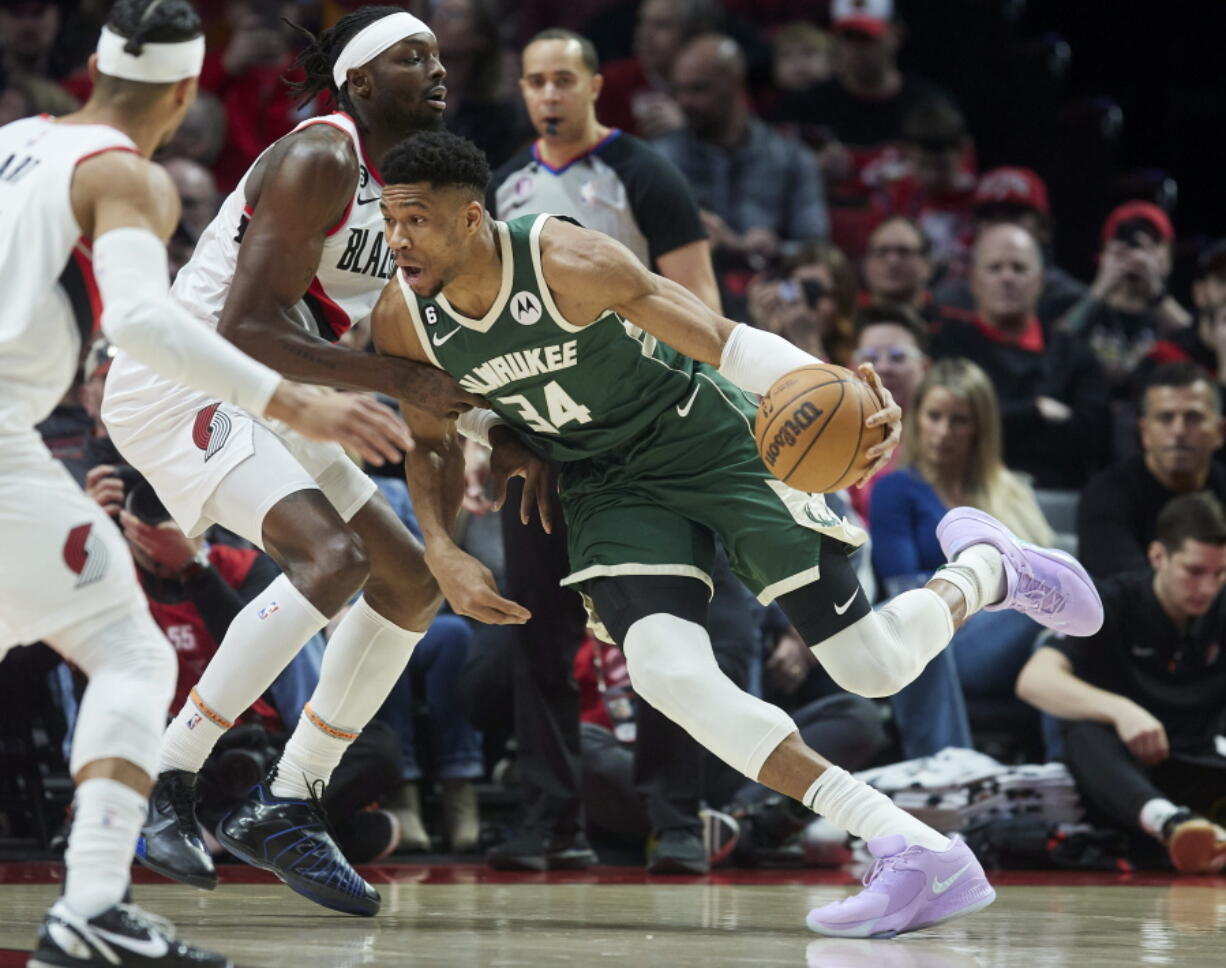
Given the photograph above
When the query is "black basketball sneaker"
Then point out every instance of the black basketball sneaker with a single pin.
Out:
(122, 936)
(170, 841)
(291, 839)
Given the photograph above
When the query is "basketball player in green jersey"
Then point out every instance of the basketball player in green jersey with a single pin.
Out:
(643, 395)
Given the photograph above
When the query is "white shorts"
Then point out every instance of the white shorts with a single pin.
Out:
(218, 464)
(63, 563)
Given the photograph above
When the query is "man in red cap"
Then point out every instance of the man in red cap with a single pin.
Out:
(1128, 308)
(1017, 196)
(854, 120)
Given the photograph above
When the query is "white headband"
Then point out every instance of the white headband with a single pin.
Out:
(155, 64)
(369, 42)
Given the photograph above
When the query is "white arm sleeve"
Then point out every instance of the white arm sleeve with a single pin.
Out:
(139, 316)
(754, 359)
(477, 424)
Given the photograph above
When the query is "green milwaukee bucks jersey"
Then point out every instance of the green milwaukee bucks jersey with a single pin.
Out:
(574, 391)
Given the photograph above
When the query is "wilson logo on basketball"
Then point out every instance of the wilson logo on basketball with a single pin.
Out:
(787, 435)
(85, 555)
(211, 430)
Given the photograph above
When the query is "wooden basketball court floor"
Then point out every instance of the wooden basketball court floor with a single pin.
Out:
(469, 917)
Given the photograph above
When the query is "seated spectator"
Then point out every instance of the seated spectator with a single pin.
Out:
(812, 305)
(952, 457)
(637, 93)
(1128, 306)
(1015, 196)
(855, 119)
(895, 340)
(897, 265)
(1053, 398)
(1204, 342)
(1181, 427)
(758, 190)
(197, 193)
(1144, 700)
(936, 186)
(201, 135)
(433, 674)
(28, 31)
(801, 59)
(480, 105)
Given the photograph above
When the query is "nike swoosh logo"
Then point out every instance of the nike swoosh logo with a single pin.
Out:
(367, 201)
(940, 887)
(840, 609)
(434, 337)
(683, 410)
(154, 946)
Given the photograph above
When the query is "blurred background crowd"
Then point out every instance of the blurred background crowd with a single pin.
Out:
(1010, 207)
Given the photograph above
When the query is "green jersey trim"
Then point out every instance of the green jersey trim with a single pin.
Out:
(422, 336)
(534, 246)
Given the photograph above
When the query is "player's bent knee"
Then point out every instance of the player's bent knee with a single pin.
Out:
(867, 658)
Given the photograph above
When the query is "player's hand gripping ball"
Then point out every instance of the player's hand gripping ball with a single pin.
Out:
(811, 428)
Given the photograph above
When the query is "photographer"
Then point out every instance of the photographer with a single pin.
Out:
(810, 303)
(1128, 307)
(194, 590)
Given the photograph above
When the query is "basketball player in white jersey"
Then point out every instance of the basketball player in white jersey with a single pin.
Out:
(296, 257)
(80, 205)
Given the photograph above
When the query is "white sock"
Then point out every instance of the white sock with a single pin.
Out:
(979, 573)
(106, 820)
(1155, 814)
(259, 644)
(864, 812)
(364, 658)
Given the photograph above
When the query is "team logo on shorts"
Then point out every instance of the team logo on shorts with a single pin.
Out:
(525, 308)
(211, 430)
(85, 555)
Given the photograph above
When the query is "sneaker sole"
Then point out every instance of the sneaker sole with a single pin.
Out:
(670, 865)
(302, 886)
(859, 932)
(1195, 849)
(201, 882)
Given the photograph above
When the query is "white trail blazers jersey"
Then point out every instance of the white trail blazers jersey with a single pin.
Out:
(50, 301)
(353, 268)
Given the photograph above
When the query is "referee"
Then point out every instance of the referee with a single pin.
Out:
(614, 183)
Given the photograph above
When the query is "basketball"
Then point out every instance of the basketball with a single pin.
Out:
(810, 428)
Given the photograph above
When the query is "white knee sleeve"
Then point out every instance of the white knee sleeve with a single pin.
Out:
(672, 666)
(888, 648)
(132, 671)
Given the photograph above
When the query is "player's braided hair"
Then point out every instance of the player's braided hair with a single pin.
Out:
(154, 22)
(319, 56)
(439, 158)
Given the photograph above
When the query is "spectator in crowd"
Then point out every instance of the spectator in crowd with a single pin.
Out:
(197, 193)
(28, 29)
(637, 93)
(897, 265)
(802, 57)
(952, 457)
(14, 102)
(855, 118)
(812, 304)
(1181, 427)
(612, 182)
(1053, 397)
(758, 190)
(1203, 343)
(479, 102)
(1128, 306)
(1014, 196)
(894, 339)
(936, 186)
(202, 133)
(1144, 699)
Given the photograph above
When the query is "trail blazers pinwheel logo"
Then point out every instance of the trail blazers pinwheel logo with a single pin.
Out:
(211, 430)
(85, 555)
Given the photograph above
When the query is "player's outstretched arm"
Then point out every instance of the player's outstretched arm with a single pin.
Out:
(434, 471)
(299, 193)
(128, 207)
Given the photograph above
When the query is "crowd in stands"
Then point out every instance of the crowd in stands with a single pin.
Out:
(843, 207)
